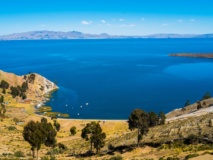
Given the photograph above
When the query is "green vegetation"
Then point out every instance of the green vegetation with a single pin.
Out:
(57, 125)
(116, 158)
(19, 91)
(2, 109)
(187, 103)
(93, 132)
(191, 156)
(31, 78)
(2, 99)
(4, 84)
(11, 128)
(141, 121)
(19, 154)
(207, 95)
(73, 130)
(38, 133)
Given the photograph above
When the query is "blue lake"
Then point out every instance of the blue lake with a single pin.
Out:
(114, 76)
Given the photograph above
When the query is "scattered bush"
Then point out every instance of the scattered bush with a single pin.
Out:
(207, 95)
(45, 158)
(116, 158)
(73, 130)
(62, 146)
(172, 158)
(56, 151)
(19, 154)
(204, 147)
(111, 147)
(191, 156)
(192, 139)
(11, 128)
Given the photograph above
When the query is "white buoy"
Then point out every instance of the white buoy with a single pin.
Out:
(66, 105)
(81, 106)
(78, 114)
(87, 104)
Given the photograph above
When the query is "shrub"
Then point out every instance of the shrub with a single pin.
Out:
(62, 146)
(111, 147)
(11, 128)
(172, 158)
(116, 158)
(73, 130)
(192, 139)
(207, 95)
(191, 156)
(19, 154)
(204, 147)
(45, 158)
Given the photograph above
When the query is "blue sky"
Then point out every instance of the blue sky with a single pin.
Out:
(117, 17)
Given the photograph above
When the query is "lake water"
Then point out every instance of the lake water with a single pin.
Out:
(107, 79)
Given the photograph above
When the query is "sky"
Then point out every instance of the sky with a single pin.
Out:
(115, 17)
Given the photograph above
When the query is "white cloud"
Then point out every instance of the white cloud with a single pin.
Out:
(103, 21)
(192, 20)
(86, 22)
(180, 20)
(143, 19)
(121, 19)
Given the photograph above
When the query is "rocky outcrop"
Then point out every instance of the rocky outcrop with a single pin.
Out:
(37, 87)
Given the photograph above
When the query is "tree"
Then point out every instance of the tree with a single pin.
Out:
(153, 119)
(4, 84)
(187, 103)
(199, 106)
(31, 78)
(2, 109)
(24, 86)
(33, 136)
(93, 132)
(162, 118)
(139, 120)
(207, 95)
(38, 133)
(1, 99)
(57, 125)
(14, 91)
(73, 130)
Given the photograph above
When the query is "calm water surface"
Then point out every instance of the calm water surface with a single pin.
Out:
(107, 79)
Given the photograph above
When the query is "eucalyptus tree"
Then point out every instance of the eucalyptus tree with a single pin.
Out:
(93, 132)
(139, 120)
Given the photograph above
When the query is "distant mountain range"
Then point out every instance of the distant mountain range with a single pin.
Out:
(48, 35)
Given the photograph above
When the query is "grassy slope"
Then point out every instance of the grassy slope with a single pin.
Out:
(117, 134)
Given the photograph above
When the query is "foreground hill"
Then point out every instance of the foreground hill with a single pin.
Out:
(183, 134)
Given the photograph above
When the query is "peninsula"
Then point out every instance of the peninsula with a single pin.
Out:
(192, 55)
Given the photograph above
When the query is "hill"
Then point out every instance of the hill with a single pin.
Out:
(37, 85)
(54, 35)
